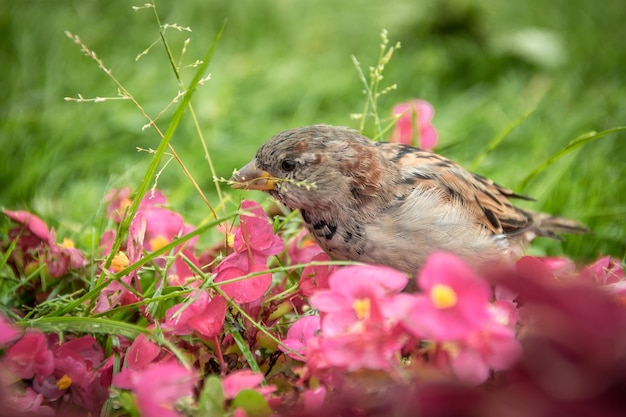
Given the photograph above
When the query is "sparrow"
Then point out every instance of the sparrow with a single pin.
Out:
(391, 204)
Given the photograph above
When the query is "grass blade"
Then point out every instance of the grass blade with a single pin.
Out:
(573, 145)
(498, 139)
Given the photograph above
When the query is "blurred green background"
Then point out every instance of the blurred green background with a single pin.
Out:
(281, 64)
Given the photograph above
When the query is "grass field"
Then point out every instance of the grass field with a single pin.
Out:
(483, 64)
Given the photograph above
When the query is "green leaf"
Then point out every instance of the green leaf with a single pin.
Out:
(253, 402)
(127, 401)
(211, 400)
(87, 325)
(241, 344)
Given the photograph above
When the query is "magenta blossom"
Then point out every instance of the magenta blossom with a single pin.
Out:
(119, 293)
(302, 248)
(492, 347)
(141, 355)
(29, 357)
(204, 315)
(605, 270)
(299, 333)
(256, 232)
(454, 302)
(315, 277)
(414, 124)
(36, 245)
(546, 267)
(237, 265)
(8, 331)
(161, 225)
(356, 329)
(238, 381)
(254, 242)
(75, 373)
(23, 402)
(159, 387)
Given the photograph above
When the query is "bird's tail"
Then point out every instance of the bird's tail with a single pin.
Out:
(551, 226)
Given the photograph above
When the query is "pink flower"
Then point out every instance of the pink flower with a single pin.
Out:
(23, 402)
(237, 265)
(141, 355)
(75, 364)
(356, 293)
(238, 381)
(414, 124)
(302, 248)
(493, 347)
(299, 333)
(36, 245)
(204, 315)
(29, 357)
(357, 330)
(315, 277)
(547, 268)
(8, 332)
(160, 225)
(159, 387)
(454, 302)
(119, 201)
(604, 271)
(256, 232)
(254, 241)
(119, 293)
(314, 400)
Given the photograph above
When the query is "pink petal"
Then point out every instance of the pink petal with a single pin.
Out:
(8, 331)
(246, 290)
(210, 323)
(152, 199)
(315, 277)
(428, 138)
(37, 226)
(240, 380)
(300, 332)
(256, 231)
(29, 356)
(469, 367)
(141, 353)
(159, 387)
(379, 280)
(329, 301)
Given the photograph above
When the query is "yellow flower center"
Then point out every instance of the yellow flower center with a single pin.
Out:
(230, 240)
(362, 308)
(64, 382)
(443, 296)
(158, 242)
(119, 262)
(68, 243)
(124, 204)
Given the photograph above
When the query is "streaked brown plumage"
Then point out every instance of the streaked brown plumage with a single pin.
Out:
(391, 204)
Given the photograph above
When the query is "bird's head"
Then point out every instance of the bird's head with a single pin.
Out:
(314, 166)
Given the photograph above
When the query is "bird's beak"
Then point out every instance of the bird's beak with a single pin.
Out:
(252, 177)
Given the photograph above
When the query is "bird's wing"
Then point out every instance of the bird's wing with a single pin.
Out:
(484, 200)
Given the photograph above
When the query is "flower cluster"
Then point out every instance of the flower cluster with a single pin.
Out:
(263, 323)
(367, 323)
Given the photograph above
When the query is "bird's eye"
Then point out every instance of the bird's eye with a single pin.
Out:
(288, 165)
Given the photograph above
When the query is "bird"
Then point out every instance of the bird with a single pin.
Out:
(392, 204)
